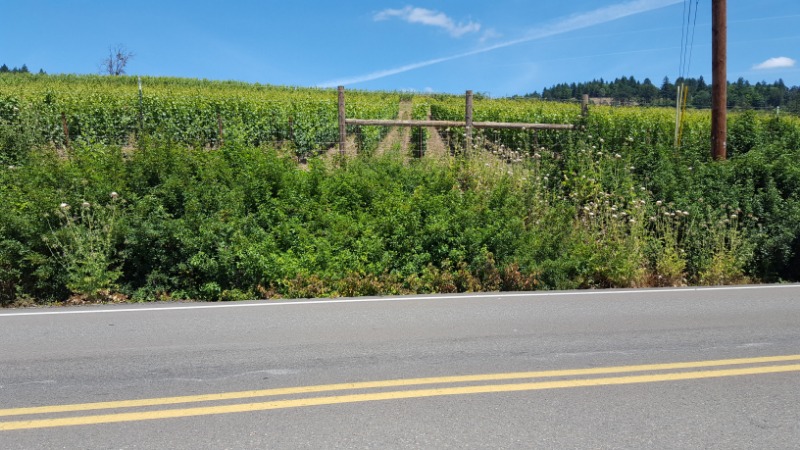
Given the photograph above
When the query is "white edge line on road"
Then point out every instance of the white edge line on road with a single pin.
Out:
(397, 299)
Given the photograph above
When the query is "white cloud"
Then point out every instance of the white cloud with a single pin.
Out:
(781, 62)
(489, 35)
(572, 23)
(429, 17)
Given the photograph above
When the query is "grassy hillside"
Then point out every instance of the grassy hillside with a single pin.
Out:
(155, 212)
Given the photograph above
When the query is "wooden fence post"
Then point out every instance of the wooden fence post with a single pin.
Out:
(220, 130)
(468, 120)
(65, 128)
(141, 106)
(342, 124)
(678, 115)
(419, 143)
(585, 105)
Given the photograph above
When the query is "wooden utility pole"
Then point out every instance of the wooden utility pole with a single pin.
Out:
(719, 82)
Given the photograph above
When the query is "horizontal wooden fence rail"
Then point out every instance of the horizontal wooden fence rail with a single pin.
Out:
(467, 124)
(455, 123)
(404, 123)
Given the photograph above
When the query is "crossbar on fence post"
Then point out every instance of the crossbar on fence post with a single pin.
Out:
(468, 120)
(342, 120)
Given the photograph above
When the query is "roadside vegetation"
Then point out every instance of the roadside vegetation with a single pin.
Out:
(166, 210)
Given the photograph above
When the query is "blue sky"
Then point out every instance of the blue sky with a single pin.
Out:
(503, 47)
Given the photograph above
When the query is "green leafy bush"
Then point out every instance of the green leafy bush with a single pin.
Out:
(615, 205)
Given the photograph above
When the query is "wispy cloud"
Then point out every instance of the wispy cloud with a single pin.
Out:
(489, 35)
(565, 25)
(429, 17)
(780, 62)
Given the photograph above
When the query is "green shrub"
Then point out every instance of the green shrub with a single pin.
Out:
(615, 206)
(84, 246)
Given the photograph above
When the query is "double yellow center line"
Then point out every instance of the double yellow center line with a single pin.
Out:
(581, 378)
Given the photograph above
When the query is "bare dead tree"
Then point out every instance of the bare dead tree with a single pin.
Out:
(117, 59)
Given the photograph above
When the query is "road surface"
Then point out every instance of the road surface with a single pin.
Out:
(664, 368)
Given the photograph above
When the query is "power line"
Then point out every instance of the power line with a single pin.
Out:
(683, 39)
(691, 46)
(688, 27)
(686, 42)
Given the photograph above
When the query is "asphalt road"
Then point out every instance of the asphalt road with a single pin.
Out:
(670, 368)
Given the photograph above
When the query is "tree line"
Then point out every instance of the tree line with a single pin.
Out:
(114, 64)
(628, 90)
(24, 69)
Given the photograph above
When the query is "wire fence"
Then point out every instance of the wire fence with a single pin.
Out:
(303, 135)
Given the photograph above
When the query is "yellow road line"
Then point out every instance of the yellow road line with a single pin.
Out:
(394, 395)
(388, 383)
